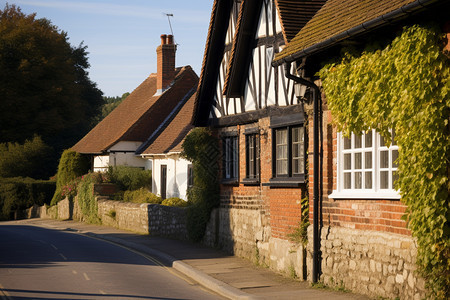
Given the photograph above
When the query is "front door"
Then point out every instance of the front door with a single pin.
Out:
(163, 181)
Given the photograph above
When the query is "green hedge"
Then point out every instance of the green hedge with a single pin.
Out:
(71, 165)
(130, 178)
(174, 201)
(21, 193)
(141, 196)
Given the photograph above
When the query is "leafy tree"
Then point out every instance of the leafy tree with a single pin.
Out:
(24, 159)
(44, 83)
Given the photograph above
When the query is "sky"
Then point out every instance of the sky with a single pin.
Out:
(122, 36)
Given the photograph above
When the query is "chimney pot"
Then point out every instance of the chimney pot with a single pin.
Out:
(170, 39)
(165, 63)
(163, 39)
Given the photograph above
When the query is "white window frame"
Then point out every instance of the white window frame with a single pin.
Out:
(375, 192)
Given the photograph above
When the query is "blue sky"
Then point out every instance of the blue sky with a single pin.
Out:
(122, 36)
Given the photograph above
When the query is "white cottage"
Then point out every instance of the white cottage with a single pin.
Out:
(127, 131)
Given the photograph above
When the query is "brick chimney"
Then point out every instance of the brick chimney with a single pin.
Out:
(166, 63)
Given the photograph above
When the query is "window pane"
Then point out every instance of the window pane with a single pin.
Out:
(281, 152)
(297, 150)
(347, 180)
(384, 179)
(384, 159)
(358, 141)
(358, 180)
(382, 143)
(347, 161)
(347, 143)
(394, 158)
(368, 160)
(358, 160)
(368, 139)
(235, 158)
(368, 180)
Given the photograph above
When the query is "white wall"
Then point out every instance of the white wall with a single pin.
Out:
(121, 154)
(176, 175)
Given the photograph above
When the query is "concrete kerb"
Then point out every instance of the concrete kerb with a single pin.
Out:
(202, 278)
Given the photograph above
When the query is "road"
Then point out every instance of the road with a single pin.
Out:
(40, 263)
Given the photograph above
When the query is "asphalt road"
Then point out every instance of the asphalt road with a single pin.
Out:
(39, 263)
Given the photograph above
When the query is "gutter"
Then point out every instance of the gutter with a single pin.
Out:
(316, 153)
(366, 26)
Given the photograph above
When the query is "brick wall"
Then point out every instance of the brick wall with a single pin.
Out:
(254, 221)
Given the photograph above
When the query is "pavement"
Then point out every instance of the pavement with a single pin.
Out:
(229, 276)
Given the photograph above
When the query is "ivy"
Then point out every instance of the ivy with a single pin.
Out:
(202, 148)
(405, 87)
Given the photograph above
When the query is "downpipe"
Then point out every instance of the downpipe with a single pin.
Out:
(316, 153)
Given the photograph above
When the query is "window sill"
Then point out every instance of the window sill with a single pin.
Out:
(250, 181)
(230, 181)
(353, 194)
(285, 181)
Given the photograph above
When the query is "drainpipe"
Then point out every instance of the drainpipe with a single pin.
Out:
(316, 195)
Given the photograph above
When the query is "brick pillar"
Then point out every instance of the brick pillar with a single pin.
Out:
(166, 63)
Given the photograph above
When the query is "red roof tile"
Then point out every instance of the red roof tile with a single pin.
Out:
(139, 114)
(337, 17)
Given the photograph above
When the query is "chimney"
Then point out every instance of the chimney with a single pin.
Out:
(166, 63)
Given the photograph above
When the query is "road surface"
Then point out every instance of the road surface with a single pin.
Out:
(40, 263)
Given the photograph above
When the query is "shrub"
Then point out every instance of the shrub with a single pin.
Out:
(202, 148)
(86, 197)
(141, 196)
(21, 193)
(71, 165)
(25, 160)
(174, 201)
(129, 178)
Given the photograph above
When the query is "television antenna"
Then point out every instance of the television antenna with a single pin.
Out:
(170, 25)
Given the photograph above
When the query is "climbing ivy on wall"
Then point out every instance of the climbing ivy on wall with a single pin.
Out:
(202, 148)
(405, 86)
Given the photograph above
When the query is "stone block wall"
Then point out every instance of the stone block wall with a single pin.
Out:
(377, 264)
(144, 218)
(247, 233)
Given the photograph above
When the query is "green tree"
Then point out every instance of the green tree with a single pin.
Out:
(44, 83)
(110, 103)
(24, 159)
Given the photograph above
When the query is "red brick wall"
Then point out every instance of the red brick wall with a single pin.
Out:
(379, 214)
(281, 205)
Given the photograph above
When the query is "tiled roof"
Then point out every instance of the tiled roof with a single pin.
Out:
(294, 14)
(215, 43)
(139, 114)
(172, 135)
(336, 20)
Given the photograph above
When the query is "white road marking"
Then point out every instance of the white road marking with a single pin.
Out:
(86, 276)
(60, 254)
(53, 246)
(74, 272)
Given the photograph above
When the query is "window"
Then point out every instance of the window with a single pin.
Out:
(252, 157)
(190, 176)
(289, 152)
(366, 167)
(230, 157)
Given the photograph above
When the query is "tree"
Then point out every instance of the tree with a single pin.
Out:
(44, 83)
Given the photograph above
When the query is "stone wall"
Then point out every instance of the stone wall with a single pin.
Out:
(144, 218)
(247, 233)
(377, 264)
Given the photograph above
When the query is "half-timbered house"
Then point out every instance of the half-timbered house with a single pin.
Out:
(260, 122)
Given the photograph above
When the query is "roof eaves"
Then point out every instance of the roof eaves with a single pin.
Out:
(371, 24)
(166, 121)
(211, 61)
